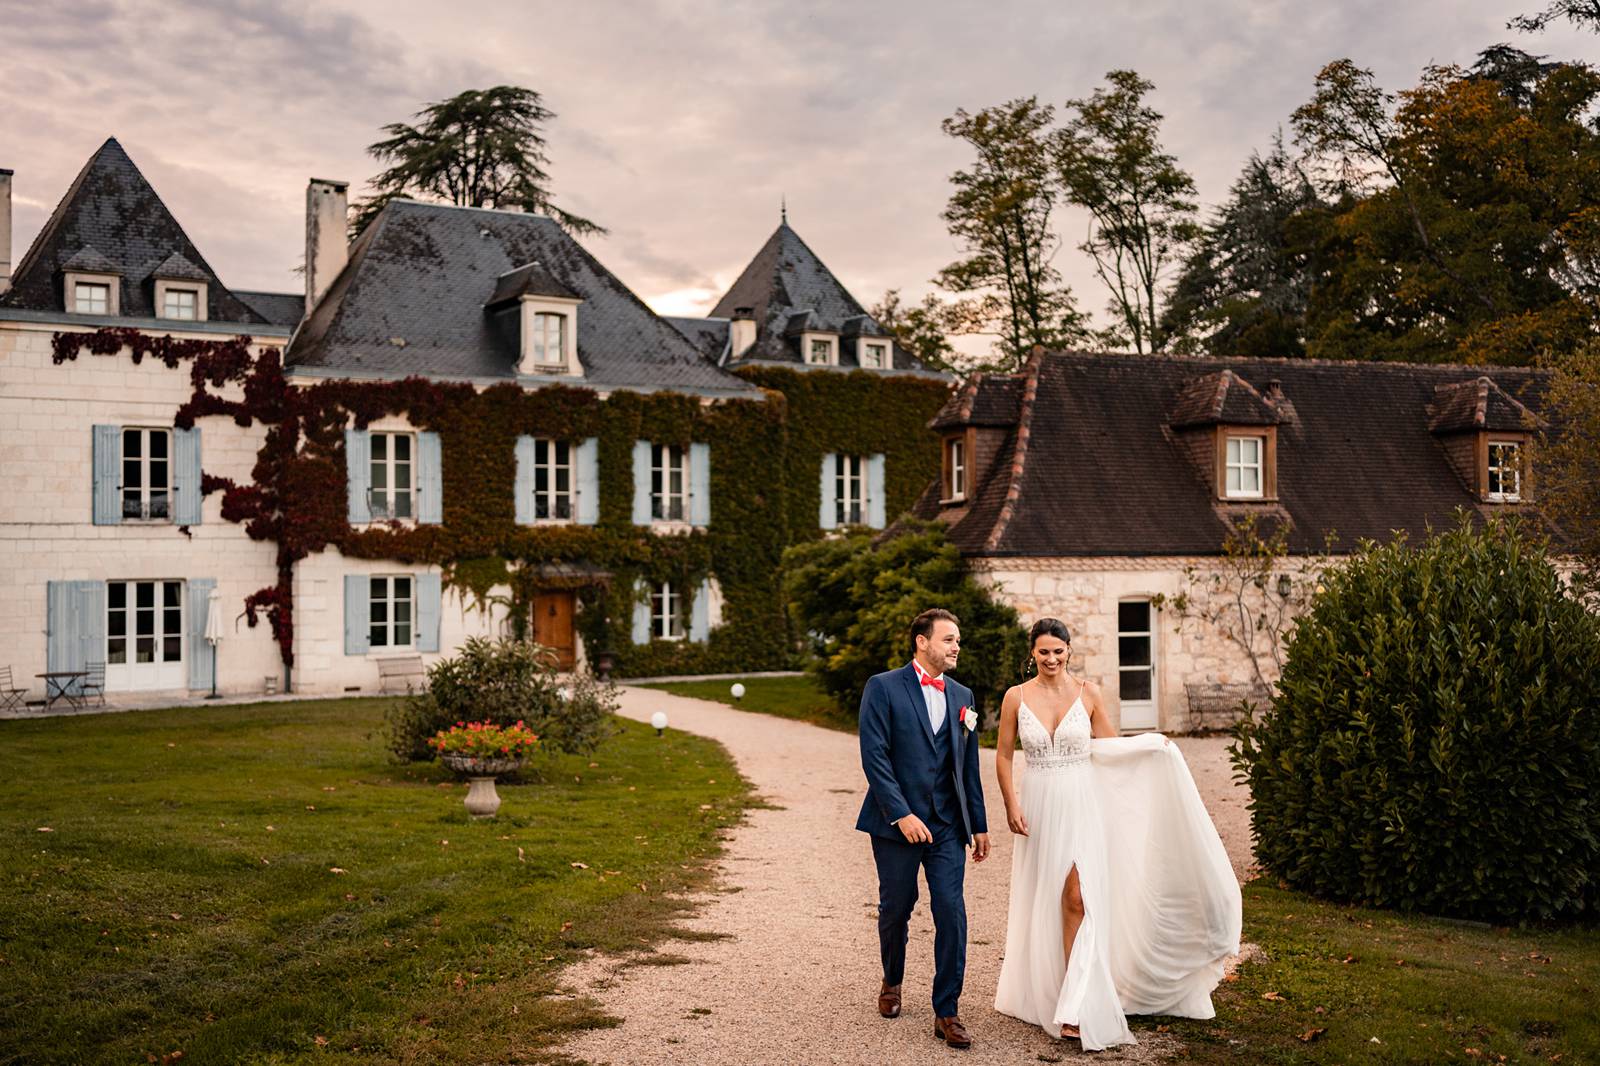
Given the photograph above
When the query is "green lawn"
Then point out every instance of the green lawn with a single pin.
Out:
(800, 698)
(262, 884)
(1431, 991)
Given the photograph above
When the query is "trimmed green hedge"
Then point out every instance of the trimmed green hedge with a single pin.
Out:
(1434, 743)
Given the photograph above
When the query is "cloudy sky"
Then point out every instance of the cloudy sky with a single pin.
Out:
(680, 123)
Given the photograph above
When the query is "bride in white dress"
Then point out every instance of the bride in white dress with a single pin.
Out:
(1123, 900)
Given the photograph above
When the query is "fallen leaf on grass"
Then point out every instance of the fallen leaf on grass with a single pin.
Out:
(1274, 996)
(613, 873)
(310, 807)
(1348, 959)
(46, 829)
(1163, 1028)
(579, 865)
(444, 843)
(322, 1041)
(272, 829)
(1311, 1034)
(565, 926)
(337, 870)
(329, 788)
(520, 857)
(705, 806)
(1320, 1010)
(176, 917)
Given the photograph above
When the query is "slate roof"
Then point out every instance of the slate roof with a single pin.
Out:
(279, 308)
(1092, 465)
(790, 289)
(175, 266)
(710, 335)
(411, 300)
(112, 219)
(533, 279)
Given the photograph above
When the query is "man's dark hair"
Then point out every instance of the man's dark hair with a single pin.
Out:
(922, 624)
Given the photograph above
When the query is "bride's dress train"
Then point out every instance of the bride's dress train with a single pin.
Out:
(1161, 904)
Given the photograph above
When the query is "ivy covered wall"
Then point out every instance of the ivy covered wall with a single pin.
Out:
(765, 465)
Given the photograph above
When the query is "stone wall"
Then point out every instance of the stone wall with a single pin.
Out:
(47, 533)
(1191, 656)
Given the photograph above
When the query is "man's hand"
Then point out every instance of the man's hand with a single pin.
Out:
(914, 831)
(980, 846)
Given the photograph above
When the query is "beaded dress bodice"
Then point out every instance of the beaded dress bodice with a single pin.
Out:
(1069, 747)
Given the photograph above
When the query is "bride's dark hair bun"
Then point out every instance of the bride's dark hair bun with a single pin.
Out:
(1049, 627)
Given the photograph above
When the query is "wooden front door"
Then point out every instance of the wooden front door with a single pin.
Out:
(552, 625)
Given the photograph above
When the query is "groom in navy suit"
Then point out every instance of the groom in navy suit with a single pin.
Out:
(924, 806)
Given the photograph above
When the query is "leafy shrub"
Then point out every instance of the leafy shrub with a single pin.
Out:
(504, 682)
(1434, 743)
(856, 597)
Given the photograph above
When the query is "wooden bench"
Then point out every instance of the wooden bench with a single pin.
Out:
(405, 672)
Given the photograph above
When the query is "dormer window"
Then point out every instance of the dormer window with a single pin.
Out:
(955, 468)
(91, 298)
(549, 339)
(1245, 467)
(874, 354)
(819, 351)
(1504, 472)
(180, 303)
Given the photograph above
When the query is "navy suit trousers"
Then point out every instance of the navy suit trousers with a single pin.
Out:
(945, 864)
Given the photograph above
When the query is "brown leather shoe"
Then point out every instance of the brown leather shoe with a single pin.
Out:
(889, 1001)
(952, 1032)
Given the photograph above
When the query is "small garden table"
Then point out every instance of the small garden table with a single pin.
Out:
(58, 686)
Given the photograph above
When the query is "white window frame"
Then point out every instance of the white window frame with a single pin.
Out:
(1502, 471)
(548, 465)
(850, 471)
(389, 464)
(666, 612)
(172, 300)
(956, 456)
(161, 628)
(544, 352)
(665, 461)
(808, 341)
(145, 505)
(389, 601)
(1233, 461)
(1145, 714)
(885, 355)
(81, 307)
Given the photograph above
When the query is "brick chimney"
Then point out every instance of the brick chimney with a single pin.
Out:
(327, 239)
(5, 229)
(741, 331)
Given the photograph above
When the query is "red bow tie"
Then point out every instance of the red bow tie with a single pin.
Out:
(936, 682)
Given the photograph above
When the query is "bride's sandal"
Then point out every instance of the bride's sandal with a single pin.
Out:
(1070, 1032)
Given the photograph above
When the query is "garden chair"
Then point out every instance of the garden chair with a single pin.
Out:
(10, 695)
(94, 685)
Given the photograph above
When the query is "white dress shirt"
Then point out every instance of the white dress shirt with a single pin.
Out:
(932, 697)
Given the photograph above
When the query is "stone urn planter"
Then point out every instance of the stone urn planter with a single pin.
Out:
(482, 800)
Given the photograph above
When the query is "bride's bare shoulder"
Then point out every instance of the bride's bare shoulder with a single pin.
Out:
(1013, 697)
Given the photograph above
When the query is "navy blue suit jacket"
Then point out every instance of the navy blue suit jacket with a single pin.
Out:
(898, 754)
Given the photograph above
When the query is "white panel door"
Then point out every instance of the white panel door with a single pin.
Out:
(1136, 665)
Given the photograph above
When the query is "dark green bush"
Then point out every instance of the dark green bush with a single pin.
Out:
(1434, 743)
(503, 682)
(855, 598)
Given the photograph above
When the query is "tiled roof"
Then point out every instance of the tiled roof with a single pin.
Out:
(790, 289)
(530, 280)
(279, 308)
(412, 300)
(710, 335)
(1093, 466)
(177, 267)
(1478, 404)
(1221, 398)
(113, 220)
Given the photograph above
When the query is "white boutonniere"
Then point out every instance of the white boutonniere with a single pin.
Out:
(969, 718)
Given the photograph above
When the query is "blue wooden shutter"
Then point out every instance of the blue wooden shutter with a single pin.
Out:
(75, 625)
(428, 604)
(700, 613)
(430, 480)
(358, 474)
(525, 511)
(641, 482)
(828, 515)
(107, 483)
(200, 650)
(589, 481)
(641, 612)
(186, 476)
(877, 504)
(357, 614)
(699, 484)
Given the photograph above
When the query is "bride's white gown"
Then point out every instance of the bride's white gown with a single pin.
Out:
(1161, 904)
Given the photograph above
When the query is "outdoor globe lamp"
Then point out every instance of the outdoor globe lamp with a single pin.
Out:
(738, 691)
(658, 722)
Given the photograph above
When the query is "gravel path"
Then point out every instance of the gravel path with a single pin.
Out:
(796, 979)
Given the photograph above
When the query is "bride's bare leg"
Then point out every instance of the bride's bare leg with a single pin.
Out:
(1071, 919)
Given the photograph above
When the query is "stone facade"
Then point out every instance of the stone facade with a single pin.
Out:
(47, 533)
(1198, 672)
